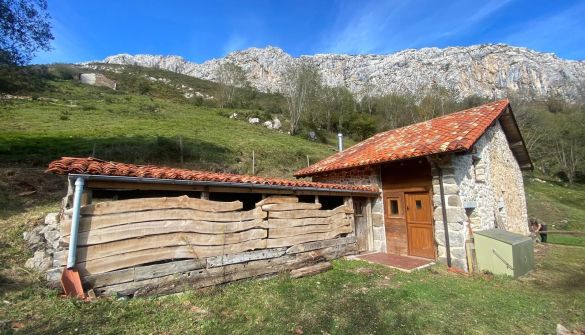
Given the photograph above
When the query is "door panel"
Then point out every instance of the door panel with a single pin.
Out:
(419, 224)
(395, 223)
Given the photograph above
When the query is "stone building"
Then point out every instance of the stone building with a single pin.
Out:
(441, 180)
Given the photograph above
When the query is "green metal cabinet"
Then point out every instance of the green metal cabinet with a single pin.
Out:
(501, 252)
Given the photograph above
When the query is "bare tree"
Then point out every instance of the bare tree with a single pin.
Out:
(302, 81)
(337, 103)
(367, 93)
(230, 77)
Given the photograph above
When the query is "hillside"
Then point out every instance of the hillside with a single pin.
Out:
(489, 71)
(144, 121)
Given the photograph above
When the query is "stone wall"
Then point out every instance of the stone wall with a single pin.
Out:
(483, 189)
(369, 175)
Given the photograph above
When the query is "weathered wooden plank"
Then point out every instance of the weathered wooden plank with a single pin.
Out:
(290, 241)
(214, 276)
(310, 229)
(208, 277)
(95, 222)
(289, 223)
(142, 272)
(309, 213)
(304, 247)
(147, 228)
(166, 240)
(160, 270)
(135, 258)
(311, 270)
(244, 257)
(277, 199)
(290, 206)
(143, 204)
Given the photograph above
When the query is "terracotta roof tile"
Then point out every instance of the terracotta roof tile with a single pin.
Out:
(450, 133)
(93, 166)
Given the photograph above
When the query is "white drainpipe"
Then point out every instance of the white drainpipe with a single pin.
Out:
(340, 141)
(71, 257)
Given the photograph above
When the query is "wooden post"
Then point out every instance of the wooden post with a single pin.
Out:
(348, 202)
(370, 222)
(308, 164)
(86, 197)
(253, 163)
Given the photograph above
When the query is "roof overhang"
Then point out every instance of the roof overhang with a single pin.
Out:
(107, 182)
(515, 139)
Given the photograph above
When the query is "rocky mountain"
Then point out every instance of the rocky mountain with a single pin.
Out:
(491, 70)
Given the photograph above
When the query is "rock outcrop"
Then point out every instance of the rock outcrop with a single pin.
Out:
(491, 70)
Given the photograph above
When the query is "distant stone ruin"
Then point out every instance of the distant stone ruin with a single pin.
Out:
(97, 79)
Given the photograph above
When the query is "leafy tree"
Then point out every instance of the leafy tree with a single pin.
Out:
(230, 77)
(25, 28)
(303, 81)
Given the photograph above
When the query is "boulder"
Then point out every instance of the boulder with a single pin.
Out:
(276, 124)
(268, 124)
(312, 136)
(253, 120)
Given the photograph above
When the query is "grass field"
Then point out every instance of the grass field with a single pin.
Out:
(562, 207)
(136, 128)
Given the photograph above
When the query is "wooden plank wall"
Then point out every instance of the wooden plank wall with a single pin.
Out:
(164, 245)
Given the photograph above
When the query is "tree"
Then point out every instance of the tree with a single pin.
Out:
(396, 110)
(337, 103)
(568, 145)
(25, 28)
(302, 81)
(230, 77)
(367, 93)
(437, 101)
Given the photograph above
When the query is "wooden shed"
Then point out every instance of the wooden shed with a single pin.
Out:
(150, 230)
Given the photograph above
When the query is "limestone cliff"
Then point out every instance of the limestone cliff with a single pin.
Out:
(492, 70)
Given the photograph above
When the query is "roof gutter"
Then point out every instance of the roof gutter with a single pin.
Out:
(137, 180)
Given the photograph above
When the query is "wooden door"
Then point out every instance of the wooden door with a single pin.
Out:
(395, 223)
(419, 223)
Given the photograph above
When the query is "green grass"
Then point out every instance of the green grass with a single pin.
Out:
(353, 298)
(135, 128)
(562, 207)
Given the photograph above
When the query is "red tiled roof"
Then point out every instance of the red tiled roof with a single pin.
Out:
(93, 166)
(450, 133)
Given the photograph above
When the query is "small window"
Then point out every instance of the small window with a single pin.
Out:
(394, 207)
(418, 204)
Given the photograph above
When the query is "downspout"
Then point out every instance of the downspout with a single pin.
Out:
(71, 257)
(444, 212)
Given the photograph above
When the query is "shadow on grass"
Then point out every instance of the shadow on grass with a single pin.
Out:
(39, 151)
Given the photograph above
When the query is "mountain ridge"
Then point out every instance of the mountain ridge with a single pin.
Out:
(487, 70)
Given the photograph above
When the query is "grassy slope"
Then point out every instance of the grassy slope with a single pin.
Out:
(561, 207)
(136, 128)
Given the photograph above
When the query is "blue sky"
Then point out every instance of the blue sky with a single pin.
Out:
(201, 30)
